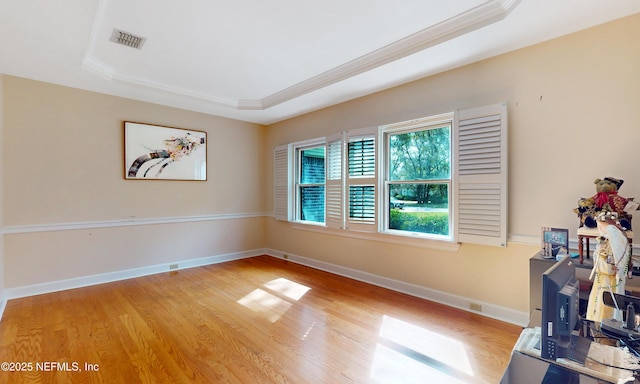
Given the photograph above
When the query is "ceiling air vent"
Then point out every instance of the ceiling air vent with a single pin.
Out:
(126, 38)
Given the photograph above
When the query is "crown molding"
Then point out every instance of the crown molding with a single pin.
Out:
(101, 68)
(463, 23)
(471, 20)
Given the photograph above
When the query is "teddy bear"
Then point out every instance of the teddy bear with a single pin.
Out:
(586, 209)
(606, 199)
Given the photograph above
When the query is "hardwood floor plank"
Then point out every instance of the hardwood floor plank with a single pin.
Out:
(257, 320)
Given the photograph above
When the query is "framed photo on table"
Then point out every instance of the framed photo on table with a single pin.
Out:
(154, 152)
(554, 240)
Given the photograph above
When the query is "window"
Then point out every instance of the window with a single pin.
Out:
(441, 177)
(418, 176)
(310, 184)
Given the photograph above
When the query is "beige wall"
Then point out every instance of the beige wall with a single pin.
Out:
(64, 159)
(63, 164)
(573, 113)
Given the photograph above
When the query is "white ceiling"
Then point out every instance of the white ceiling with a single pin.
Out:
(266, 61)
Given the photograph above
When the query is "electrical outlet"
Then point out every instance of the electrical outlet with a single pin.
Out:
(173, 266)
(475, 307)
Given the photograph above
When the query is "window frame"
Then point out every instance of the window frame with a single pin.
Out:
(297, 149)
(294, 172)
(415, 125)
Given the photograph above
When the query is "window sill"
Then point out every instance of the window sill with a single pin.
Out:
(414, 241)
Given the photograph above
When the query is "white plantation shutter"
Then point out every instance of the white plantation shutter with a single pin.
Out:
(362, 159)
(333, 185)
(362, 200)
(282, 177)
(361, 179)
(481, 165)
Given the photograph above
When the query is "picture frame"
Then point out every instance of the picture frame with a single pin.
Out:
(155, 152)
(554, 240)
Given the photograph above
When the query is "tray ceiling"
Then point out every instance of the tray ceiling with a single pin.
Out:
(262, 61)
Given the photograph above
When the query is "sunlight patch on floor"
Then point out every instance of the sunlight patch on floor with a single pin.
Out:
(275, 299)
(287, 288)
(269, 306)
(407, 353)
(391, 366)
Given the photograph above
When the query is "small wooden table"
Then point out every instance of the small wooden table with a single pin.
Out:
(585, 233)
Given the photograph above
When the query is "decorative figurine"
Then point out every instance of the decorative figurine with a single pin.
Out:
(610, 266)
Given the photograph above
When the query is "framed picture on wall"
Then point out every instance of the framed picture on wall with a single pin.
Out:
(154, 152)
(554, 240)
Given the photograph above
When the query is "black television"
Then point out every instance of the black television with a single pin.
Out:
(561, 314)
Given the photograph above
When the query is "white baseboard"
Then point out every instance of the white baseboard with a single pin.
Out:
(464, 303)
(488, 309)
(84, 281)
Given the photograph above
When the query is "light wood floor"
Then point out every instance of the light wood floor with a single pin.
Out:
(252, 321)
